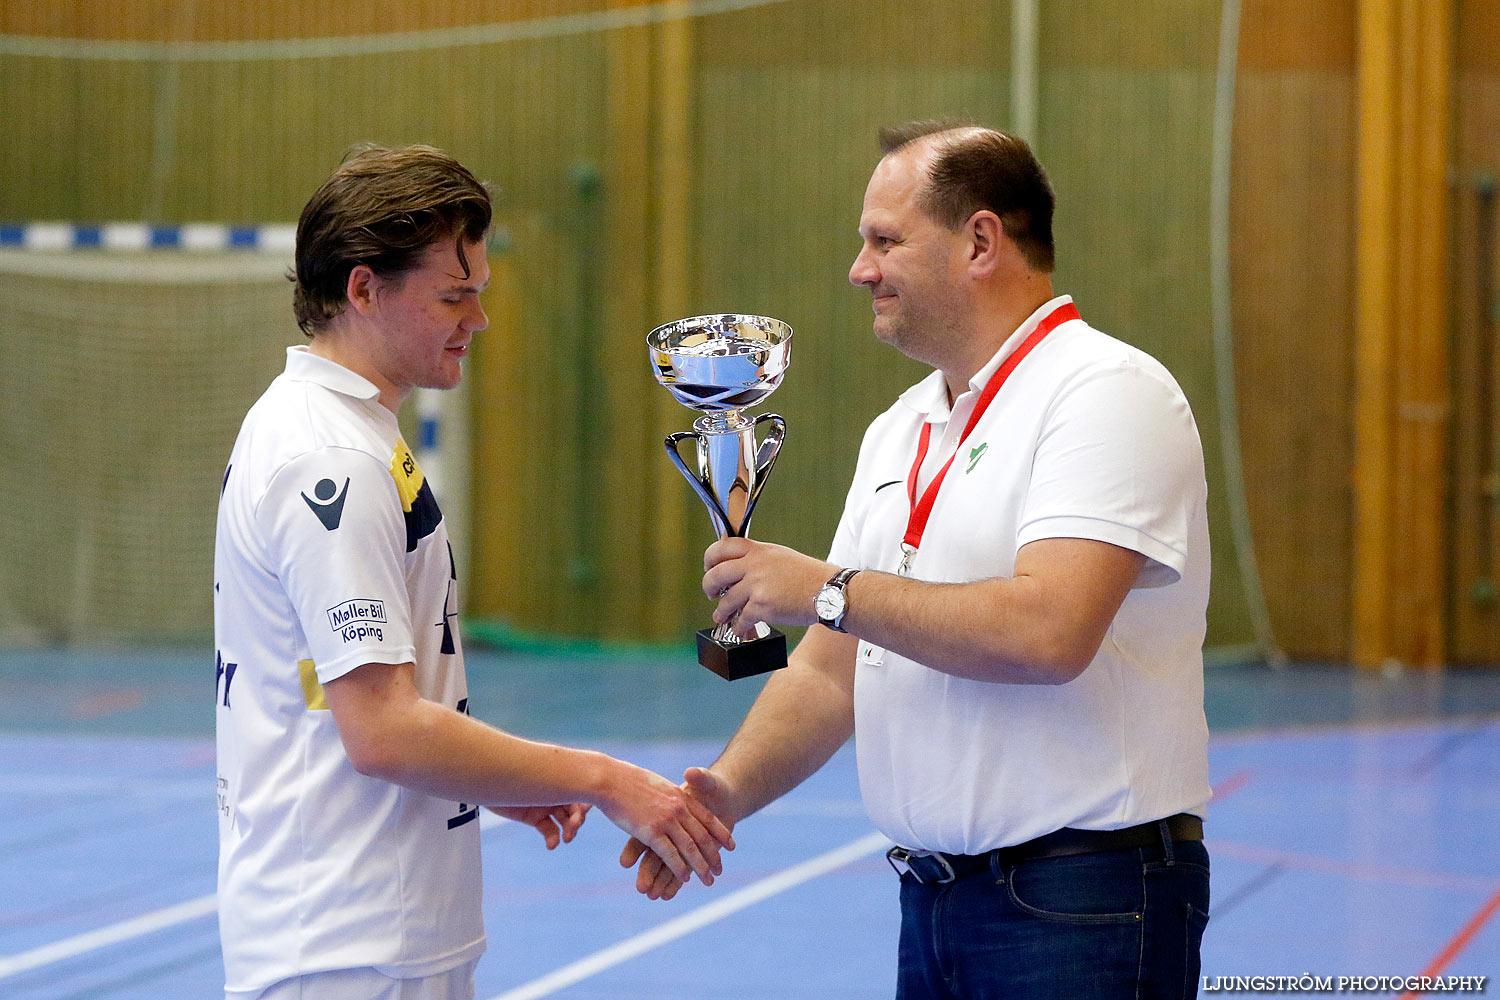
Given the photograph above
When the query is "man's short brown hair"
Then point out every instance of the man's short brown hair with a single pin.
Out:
(980, 168)
(381, 208)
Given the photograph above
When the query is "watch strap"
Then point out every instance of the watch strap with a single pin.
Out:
(838, 582)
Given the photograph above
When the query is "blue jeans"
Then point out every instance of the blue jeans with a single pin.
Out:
(1114, 925)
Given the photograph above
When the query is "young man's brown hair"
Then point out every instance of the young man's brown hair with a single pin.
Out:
(381, 208)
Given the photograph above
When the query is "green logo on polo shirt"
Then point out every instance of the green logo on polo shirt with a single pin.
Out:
(975, 454)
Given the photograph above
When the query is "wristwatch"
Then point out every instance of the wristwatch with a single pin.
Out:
(831, 605)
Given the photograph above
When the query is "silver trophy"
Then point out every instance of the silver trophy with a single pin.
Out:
(719, 365)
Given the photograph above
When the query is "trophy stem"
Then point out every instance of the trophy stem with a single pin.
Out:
(723, 422)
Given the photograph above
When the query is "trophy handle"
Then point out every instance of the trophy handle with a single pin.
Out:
(765, 458)
(720, 518)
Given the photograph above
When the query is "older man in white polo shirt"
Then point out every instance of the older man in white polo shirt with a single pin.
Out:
(1012, 614)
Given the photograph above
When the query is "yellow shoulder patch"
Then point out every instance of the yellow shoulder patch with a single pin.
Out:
(312, 691)
(407, 474)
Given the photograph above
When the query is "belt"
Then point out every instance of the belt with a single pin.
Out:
(937, 868)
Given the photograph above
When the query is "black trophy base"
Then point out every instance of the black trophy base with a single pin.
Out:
(741, 659)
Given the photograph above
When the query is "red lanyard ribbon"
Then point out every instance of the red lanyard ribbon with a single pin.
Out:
(921, 509)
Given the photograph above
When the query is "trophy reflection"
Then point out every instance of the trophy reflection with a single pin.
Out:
(719, 365)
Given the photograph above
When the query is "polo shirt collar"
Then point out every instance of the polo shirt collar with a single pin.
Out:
(302, 365)
(929, 397)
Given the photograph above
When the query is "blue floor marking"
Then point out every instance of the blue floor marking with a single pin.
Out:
(1386, 837)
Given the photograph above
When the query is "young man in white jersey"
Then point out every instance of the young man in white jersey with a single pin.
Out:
(350, 774)
(1011, 619)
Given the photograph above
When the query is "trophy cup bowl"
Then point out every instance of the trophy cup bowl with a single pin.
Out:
(719, 364)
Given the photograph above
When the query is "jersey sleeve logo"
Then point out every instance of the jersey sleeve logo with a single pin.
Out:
(358, 620)
(418, 504)
(329, 508)
(362, 609)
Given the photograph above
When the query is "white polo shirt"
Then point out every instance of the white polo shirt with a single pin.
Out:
(331, 552)
(1089, 438)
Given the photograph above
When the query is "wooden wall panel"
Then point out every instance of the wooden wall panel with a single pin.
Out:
(1473, 549)
(618, 530)
(1401, 336)
(1292, 238)
(1292, 266)
(506, 406)
(1477, 38)
(669, 561)
(1280, 35)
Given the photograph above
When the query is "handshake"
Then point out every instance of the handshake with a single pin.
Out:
(675, 830)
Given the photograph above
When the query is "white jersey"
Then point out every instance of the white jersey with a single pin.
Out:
(1089, 438)
(331, 553)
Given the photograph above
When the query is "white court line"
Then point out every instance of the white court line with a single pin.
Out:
(203, 906)
(693, 920)
(105, 936)
(530, 29)
(81, 944)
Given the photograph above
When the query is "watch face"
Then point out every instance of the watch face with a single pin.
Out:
(829, 603)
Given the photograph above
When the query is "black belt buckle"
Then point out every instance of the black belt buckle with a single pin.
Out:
(927, 867)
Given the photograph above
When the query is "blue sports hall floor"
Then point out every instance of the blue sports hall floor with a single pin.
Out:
(1352, 835)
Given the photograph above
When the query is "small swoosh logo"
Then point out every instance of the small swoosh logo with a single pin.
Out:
(893, 482)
